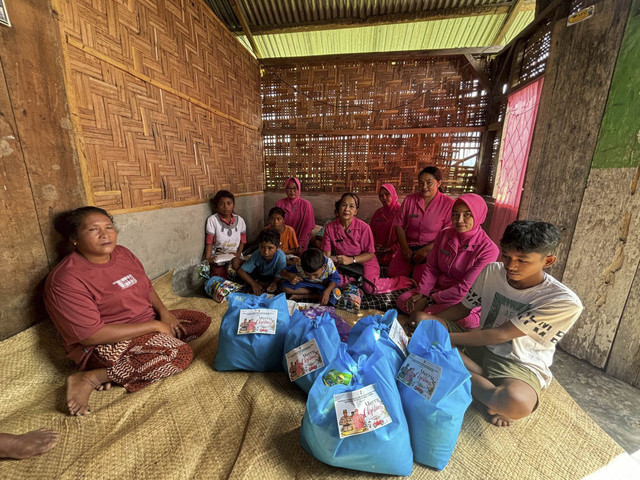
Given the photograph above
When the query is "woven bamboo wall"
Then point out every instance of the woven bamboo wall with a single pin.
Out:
(353, 125)
(165, 102)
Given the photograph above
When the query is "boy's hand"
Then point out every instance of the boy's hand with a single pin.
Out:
(417, 302)
(272, 287)
(257, 288)
(296, 279)
(324, 299)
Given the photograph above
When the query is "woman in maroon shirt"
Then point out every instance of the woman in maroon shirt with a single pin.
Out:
(111, 319)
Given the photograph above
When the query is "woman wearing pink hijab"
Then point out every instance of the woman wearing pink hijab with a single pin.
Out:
(459, 254)
(298, 212)
(384, 232)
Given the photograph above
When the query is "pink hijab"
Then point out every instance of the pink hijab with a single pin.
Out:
(392, 209)
(382, 220)
(298, 214)
(478, 208)
(289, 202)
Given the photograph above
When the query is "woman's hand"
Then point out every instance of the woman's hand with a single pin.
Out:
(420, 255)
(162, 327)
(345, 260)
(406, 254)
(173, 322)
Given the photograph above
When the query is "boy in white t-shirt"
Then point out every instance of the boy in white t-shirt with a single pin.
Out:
(525, 312)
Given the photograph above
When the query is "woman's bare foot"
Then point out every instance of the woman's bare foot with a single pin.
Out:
(79, 388)
(28, 444)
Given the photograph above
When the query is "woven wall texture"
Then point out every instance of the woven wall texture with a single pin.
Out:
(165, 101)
(353, 125)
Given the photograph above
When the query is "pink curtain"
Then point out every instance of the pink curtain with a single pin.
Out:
(521, 120)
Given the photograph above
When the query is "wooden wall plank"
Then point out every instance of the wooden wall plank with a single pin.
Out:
(40, 175)
(577, 80)
(30, 55)
(23, 254)
(602, 263)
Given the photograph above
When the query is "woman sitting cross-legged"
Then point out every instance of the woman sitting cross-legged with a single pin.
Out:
(459, 254)
(348, 240)
(113, 324)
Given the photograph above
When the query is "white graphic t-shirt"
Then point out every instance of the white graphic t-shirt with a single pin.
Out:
(227, 236)
(544, 313)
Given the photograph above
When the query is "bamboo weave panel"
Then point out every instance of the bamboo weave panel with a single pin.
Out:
(432, 92)
(381, 94)
(361, 164)
(145, 145)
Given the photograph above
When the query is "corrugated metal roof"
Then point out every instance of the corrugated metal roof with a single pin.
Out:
(522, 20)
(262, 14)
(293, 28)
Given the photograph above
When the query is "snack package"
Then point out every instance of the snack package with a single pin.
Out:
(350, 298)
(343, 327)
(435, 389)
(252, 333)
(204, 269)
(354, 418)
(219, 288)
(309, 346)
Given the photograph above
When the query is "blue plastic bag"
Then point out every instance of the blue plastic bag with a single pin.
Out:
(315, 358)
(255, 352)
(371, 333)
(375, 437)
(435, 388)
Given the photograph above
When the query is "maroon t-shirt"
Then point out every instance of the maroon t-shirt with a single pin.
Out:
(82, 297)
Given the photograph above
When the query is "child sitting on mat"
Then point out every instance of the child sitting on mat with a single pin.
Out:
(288, 239)
(313, 278)
(525, 312)
(226, 234)
(264, 265)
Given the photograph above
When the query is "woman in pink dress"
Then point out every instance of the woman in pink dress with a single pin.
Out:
(348, 240)
(459, 254)
(382, 224)
(298, 212)
(422, 215)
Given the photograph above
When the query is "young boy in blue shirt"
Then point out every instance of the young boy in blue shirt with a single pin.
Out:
(313, 278)
(263, 268)
(525, 312)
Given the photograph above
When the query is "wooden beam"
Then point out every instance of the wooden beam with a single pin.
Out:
(508, 21)
(245, 27)
(403, 55)
(358, 132)
(333, 24)
(479, 73)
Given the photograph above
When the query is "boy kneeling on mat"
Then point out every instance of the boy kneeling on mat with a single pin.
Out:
(525, 312)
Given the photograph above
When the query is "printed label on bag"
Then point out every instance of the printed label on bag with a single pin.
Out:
(304, 359)
(260, 320)
(397, 336)
(360, 411)
(336, 377)
(420, 375)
